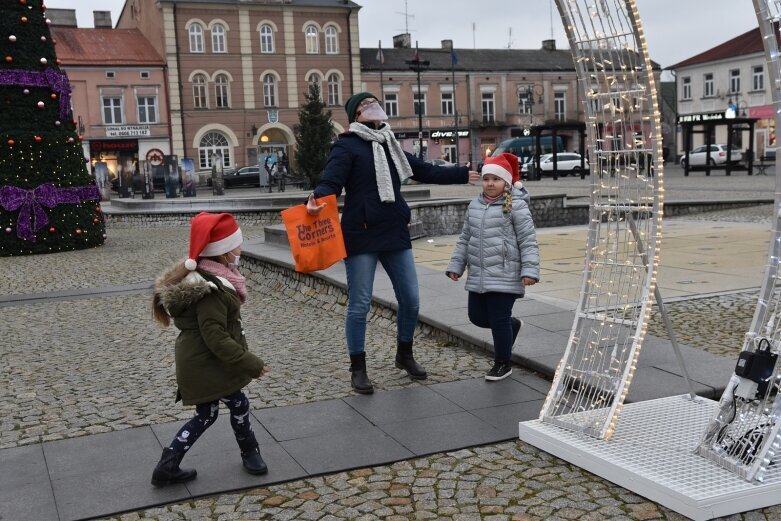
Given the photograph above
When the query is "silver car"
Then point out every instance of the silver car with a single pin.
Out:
(716, 156)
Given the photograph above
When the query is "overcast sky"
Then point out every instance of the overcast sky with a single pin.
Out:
(676, 29)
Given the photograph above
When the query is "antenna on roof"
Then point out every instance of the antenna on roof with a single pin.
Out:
(510, 40)
(407, 16)
(550, 11)
(474, 46)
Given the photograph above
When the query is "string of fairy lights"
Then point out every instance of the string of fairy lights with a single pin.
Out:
(48, 199)
(622, 117)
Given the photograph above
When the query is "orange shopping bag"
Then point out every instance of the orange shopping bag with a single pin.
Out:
(316, 241)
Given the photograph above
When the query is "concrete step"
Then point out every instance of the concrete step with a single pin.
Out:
(277, 235)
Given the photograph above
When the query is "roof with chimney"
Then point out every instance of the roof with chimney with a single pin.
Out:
(115, 47)
(747, 43)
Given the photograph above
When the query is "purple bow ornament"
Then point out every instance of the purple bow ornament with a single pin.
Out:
(30, 204)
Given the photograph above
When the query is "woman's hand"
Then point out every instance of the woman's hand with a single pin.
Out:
(312, 208)
(474, 177)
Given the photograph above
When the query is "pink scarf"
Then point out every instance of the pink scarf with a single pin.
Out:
(231, 274)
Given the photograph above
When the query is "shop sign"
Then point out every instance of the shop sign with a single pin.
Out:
(155, 156)
(699, 118)
(128, 131)
(764, 112)
(410, 135)
(443, 134)
(118, 145)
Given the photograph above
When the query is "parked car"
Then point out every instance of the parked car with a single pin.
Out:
(716, 156)
(567, 163)
(245, 176)
(439, 162)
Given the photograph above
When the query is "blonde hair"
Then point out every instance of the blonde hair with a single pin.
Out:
(169, 278)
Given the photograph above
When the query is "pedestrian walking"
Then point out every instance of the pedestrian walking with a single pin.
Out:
(370, 166)
(203, 295)
(498, 246)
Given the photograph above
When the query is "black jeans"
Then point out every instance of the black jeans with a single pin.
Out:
(206, 414)
(494, 310)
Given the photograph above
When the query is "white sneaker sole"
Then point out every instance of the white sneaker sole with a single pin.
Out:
(497, 378)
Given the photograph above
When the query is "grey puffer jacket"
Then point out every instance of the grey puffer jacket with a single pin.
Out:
(498, 249)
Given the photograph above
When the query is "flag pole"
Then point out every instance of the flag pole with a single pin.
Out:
(453, 60)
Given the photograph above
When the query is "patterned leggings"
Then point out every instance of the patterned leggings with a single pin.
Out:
(206, 414)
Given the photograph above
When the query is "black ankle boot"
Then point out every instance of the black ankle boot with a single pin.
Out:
(359, 379)
(250, 456)
(405, 360)
(167, 471)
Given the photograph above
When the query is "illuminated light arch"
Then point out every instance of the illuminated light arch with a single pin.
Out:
(743, 436)
(623, 123)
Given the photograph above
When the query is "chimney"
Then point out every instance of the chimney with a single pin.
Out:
(62, 17)
(447, 45)
(549, 45)
(402, 41)
(102, 19)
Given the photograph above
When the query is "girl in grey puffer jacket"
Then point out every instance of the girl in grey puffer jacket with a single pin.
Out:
(499, 245)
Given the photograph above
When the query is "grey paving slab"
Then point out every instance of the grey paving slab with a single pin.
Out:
(310, 419)
(529, 306)
(444, 433)
(347, 449)
(534, 342)
(714, 371)
(430, 302)
(650, 383)
(554, 321)
(402, 404)
(478, 393)
(531, 380)
(102, 453)
(23, 476)
(112, 491)
(505, 418)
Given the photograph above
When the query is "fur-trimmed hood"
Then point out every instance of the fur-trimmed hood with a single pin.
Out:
(182, 295)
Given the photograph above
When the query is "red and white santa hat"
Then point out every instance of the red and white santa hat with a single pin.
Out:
(212, 234)
(503, 166)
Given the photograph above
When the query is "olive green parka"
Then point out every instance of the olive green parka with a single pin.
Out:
(212, 357)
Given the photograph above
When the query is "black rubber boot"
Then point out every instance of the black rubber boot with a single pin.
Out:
(167, 471)
(359, 379)
(405, 360)
(251, 458)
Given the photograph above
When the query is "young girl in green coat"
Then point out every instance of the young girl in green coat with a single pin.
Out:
(203, 296)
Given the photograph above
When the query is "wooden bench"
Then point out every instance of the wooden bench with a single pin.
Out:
(765, 162)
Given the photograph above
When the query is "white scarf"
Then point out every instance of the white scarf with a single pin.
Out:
(381, 168)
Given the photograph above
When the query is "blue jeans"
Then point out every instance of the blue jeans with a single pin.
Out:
(494, 309)
(400, 267)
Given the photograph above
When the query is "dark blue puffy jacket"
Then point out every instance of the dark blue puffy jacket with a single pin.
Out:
(368, 224)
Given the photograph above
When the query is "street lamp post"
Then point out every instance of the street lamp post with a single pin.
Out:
(526, 102)
(417, 65)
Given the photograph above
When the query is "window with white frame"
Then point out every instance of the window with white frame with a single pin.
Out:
(560, 106)
(213, 143)
(266, 39)
(419, 103)
(489, 106)
(331, 40)
(221, 91)
(391, 104)
(734, 81)
(447, 104)
(686, 88)
(758, 77)
(269, 90)
(147, 109)
(218, 39)
(316, 79)
(112, 110)
(195, 33)
(312, 44)
(333, 90)
(707, 85)
(200, 99)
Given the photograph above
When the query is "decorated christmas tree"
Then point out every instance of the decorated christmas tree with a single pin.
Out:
(48, 199)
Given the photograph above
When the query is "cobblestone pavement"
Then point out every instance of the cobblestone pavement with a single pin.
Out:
(81, 366)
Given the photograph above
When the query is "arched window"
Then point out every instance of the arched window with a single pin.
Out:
(266, 39)
(312, 45)
(333, 90)
(218, 38)
(200, 99)
(214, 143)
(221, 91)
(269, 91)
(314, 78)
(331, 40)
(196, 38)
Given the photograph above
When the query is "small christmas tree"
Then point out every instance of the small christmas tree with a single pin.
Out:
(48, 199)
(314, 134)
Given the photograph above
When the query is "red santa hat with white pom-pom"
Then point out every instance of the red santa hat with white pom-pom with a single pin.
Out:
(504, 166)
(212, 234)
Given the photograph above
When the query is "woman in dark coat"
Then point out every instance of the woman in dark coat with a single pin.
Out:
(369, 165)
(213, 362)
